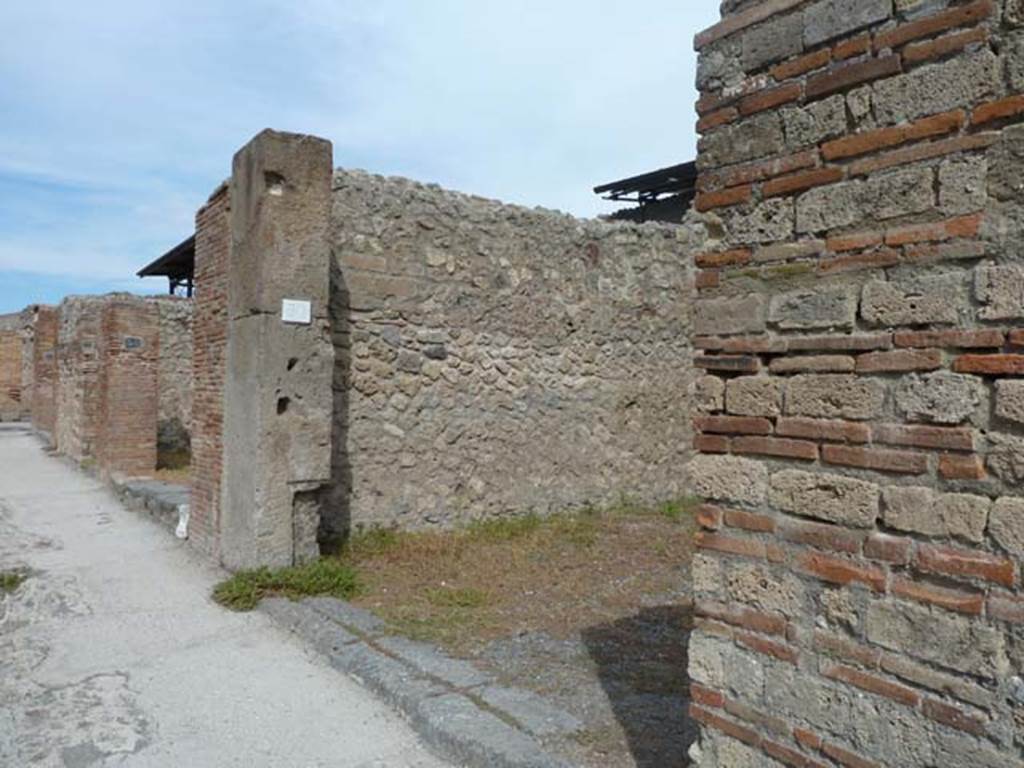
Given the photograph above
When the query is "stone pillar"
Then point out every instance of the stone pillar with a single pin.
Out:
(858, 577)
(280, 360)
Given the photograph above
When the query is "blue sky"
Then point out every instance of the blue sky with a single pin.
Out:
(120, 117)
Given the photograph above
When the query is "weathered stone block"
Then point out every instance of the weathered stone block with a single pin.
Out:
(1006, 457)
(1010, 400)
(719, 64)
(756, 137)
(830, 207)
(816, 122)
(828, 19)
(1006, 525)
(765, 589)
(707, 575)
(834, 396)
(729, 478)
(959, 82)
(754, 396)
(725, 316)
(776, 39)
(933, 299)
(834, 498)
(899, 193)
(937, 636)
(709, 394)
(922, 510)
(962, 185)
(941, 397)
(1001, 290)
(771, 221)
(821, 308)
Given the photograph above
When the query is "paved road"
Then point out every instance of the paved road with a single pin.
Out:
(112, 653)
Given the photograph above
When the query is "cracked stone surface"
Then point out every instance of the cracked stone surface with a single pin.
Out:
(112, 654)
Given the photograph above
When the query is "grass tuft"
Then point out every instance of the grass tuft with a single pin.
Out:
(11, 580)
(325, 577)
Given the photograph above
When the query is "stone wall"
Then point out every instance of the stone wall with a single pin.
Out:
(44, 370)
(858, 584)
(209, 333)
(77, 400)
(174, 425)
(10, 368)
(495, 360)
(28, 336)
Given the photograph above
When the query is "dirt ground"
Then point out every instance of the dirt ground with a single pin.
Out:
(591, 611)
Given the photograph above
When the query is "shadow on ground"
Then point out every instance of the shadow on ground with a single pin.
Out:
(641, 663)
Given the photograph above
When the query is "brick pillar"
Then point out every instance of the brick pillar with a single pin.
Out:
(128, 348)
(44, 365)
(277, 391)
(858, 577)
(209, 350)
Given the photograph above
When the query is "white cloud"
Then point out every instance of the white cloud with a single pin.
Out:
(121, 116)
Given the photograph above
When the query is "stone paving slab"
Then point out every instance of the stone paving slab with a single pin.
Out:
(456, 708)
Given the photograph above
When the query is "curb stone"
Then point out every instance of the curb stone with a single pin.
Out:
(459, 711)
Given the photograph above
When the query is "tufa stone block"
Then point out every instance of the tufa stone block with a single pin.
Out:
(832, 308)
(729, 478)
(834, 396)
(834, 498)
(754, 396)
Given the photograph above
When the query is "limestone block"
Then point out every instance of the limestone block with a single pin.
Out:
(899, 193)
(962, 185)
(758, 586)
(1001, 290)
(830, 207)
(754, 396)
(1006, 525)
(756, 137)
(938, 636)
(816, 122)
(1010, 400)
(959, 82)
(834, 396)
(709, 394)
(1006, 457)
(813, 309)
(827, 19)
(775, 40)
(729, 478)
(941, 397)
(938, 299)
(725, 316)
(922, 510)
(769, 222)
(834, 498)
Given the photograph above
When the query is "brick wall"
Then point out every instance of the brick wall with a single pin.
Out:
(493, 360)
(128, 347)
(858, 578)
(44, 370)
(209, 328)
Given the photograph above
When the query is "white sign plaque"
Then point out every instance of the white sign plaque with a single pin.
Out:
(295, 311)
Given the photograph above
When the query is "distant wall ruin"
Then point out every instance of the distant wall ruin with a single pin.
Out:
(858, 582)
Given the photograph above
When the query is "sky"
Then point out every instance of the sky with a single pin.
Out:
(119, 117)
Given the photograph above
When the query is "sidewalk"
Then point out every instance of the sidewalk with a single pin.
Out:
(112, 654)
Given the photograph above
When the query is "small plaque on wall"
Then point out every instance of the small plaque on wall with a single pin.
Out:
(296, 311)
(132, 342)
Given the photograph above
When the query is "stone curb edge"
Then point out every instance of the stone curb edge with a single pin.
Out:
(447, 701)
